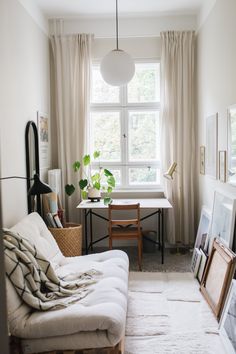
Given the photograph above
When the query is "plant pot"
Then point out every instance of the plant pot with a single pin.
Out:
(94, 194)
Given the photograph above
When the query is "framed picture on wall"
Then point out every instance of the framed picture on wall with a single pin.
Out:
(43, 131)
(202, 160)
(232, 145)
(222, 166)
(211, 145)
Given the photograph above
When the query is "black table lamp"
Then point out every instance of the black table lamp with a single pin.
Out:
(37, 188)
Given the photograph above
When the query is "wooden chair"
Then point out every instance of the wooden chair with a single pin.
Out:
(127, 229)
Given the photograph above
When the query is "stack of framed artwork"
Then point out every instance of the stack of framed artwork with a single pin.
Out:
(200, 252)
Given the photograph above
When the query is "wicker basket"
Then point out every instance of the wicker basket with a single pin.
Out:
(69, 239)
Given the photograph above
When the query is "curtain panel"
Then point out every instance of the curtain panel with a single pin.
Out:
(71, 71)
(178, 136)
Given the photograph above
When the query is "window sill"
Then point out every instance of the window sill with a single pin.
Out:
(138, 193)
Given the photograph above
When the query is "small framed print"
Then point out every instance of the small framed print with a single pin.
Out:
(222, 166)
(202, 160)
(43, 130)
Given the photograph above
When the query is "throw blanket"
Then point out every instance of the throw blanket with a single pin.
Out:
(34, 278)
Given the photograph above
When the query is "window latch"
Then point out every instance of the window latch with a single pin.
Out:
(124, 136)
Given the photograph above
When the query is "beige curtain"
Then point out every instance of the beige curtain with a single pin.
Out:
(71, 68)
(178, 138)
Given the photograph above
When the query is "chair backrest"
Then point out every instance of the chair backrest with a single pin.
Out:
(124, 207)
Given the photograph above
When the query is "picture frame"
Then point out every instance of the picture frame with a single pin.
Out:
(203, 228)
(202, 160)
(196, 259)
(231, 165)
(211, 155)
(217, 276)
(228, 321)
(222, 166)
(43, 132)
(223, 218)
(202, 265)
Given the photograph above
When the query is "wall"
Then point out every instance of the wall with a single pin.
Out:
(24, 89)
(216, 74)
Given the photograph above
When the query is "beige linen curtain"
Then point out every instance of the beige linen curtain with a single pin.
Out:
(178, 138)
(71, 68)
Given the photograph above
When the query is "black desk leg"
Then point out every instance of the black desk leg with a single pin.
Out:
(91, 230)
(85, 231)
(162, 236)
(159, 230)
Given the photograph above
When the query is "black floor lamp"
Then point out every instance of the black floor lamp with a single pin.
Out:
(37, 188)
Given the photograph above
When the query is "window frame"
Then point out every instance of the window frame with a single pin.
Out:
(124, 107)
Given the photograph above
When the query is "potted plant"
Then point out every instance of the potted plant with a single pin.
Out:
(91, 184)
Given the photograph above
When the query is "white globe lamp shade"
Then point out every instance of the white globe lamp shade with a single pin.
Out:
(117, 68)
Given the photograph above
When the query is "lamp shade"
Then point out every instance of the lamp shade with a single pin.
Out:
(117, 68)
(39, 187)
(169, 173)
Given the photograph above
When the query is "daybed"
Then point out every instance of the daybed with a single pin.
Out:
(96, 321)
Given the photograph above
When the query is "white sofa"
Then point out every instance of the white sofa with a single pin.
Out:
(96, 321)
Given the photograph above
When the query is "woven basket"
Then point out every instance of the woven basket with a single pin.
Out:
(69, 239)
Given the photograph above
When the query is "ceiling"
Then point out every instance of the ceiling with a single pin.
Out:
(106, 8)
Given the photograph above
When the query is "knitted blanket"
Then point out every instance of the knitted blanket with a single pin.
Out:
(34, 278)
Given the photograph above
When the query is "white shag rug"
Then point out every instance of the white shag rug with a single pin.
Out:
(167, 314)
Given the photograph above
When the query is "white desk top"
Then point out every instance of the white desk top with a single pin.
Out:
(148, 203)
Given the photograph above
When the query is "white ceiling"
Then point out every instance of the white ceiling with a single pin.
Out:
(106, 8)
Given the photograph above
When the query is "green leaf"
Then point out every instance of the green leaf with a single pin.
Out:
(111, 181)
(97, 185)
(84, 194)
(109, 189)
(96, 154)
(86, 160)
(107, 200)
(69, 189)
(96, 177)
(83, 183)
(76, 166)
(107, 173)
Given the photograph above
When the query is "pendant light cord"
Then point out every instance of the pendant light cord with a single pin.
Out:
(117, 47)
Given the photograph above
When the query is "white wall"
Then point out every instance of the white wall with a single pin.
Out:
(216, 74)
(24, 89)
(128, 26)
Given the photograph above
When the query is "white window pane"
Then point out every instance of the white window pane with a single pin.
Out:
(144, 176)
(143, 136)
(106, 135)
(101, 91)
(116, 173)
(145, 85)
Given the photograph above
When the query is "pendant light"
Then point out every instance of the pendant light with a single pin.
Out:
(117, 67)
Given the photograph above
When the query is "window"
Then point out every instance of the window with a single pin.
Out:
(125, 126)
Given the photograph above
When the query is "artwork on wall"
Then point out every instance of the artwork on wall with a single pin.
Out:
(218, 276)
(202, 160)
(43, 130)
(222, 166)
(232, 145)
(228, 321)
(211, 145)
(223, 218)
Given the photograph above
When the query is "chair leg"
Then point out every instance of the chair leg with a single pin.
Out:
(110, 242)
(140, 253)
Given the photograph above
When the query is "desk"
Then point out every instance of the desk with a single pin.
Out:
(90, 210)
